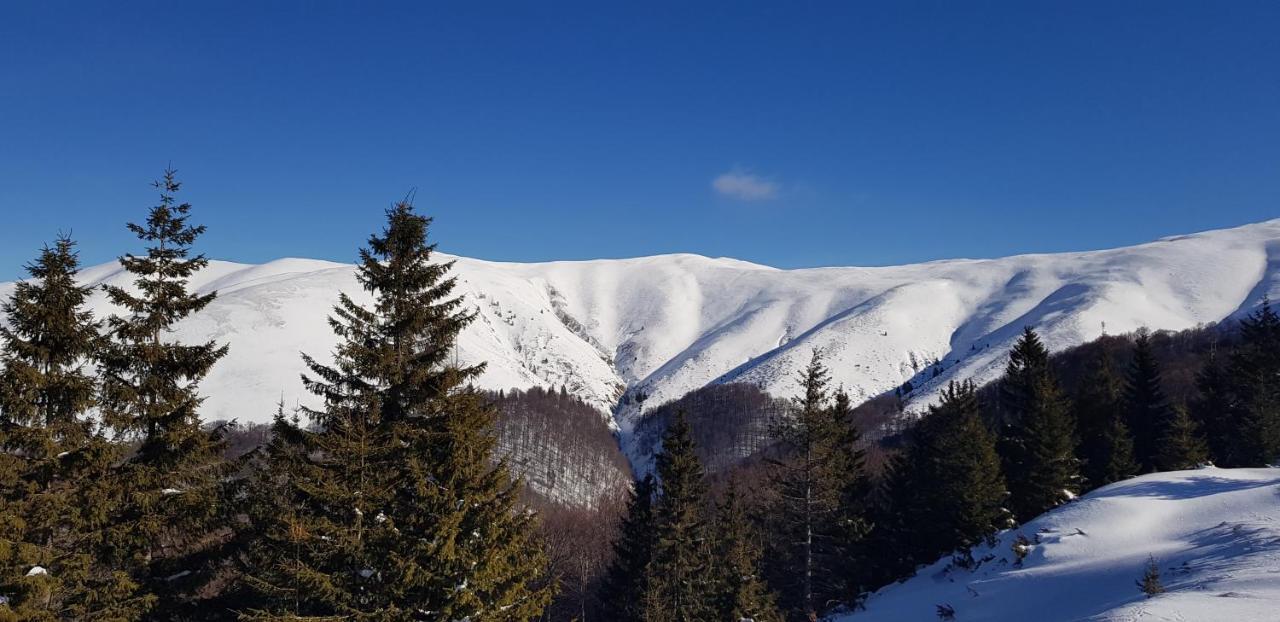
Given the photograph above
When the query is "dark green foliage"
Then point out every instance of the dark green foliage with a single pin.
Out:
(945, 490)
(49, 340)
(1106, 446)
(740, 590)
(1180, 445)
(818, 487)
(1255, 405)
(1028, 363)
(1150, 583)
(1038, 445)
(1147, 408)
(1117, 455)
(168, 496)
(678, 585)
(1212, 409)
(394, 504)
(461, 542)
(625, 582)
(53, 462)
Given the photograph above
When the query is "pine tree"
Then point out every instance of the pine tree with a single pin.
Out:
(963, 460)
(678, 586)
(1150, 583)
(54, 460)
(818, 487)
(1180, 446)
(740, 590)
(461, 543)
(1038, 447)
(1028, 362)
(625, 582)
(852, 522)
(1118, 463)
(1147, 409)
(1106, 447)
(170, 510)
(272, 503)
(396, 503)
(945, 489)
(1213, 409)
(895, 551)
(1254, 368)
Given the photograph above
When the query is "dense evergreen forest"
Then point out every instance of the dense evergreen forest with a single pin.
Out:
(409, 494)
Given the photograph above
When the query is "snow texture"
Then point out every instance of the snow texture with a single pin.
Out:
(658, 327)
(1215, 534)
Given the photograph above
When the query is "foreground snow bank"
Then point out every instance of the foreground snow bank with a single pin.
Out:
(1215, 534)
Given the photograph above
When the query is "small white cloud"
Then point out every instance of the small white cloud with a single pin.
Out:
(745, 186)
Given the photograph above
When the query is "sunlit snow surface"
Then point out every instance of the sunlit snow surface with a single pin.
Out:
(1215, 534)
(662, 326)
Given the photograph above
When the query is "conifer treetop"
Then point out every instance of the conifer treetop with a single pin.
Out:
(163, 272)
(403, 347)
(48, 341)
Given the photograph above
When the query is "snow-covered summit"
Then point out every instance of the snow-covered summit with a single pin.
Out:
(658, 327)
(1214, 533)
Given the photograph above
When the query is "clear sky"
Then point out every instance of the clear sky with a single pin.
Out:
(787, 133)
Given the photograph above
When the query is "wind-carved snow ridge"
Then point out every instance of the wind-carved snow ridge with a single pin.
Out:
(1214, 533)
(613, 331)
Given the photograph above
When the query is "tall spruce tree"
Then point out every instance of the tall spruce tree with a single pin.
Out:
(1118, 462)
(818, 485)
(1106, 446)
(852, 516)
(1028, 362)
(678, 582)
(53, 458)
(1147, 409)
(895, 552)
(1214, 411)
(396, 504)
(625, 582)
(1038, 445)
(945, 489)
(1254, 373)
(740, 590)
(1180, 445)
(170, 507)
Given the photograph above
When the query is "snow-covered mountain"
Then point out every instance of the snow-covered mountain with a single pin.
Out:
(1214, 533)
(657, 327)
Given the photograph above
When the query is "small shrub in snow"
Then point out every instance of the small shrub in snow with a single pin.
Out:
(946, 612)
(1021, 547)
(1150, 583)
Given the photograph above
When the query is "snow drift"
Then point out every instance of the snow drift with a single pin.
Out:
(1215, 535)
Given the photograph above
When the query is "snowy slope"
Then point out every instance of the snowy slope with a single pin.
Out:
(662, 326)
(1215, 534)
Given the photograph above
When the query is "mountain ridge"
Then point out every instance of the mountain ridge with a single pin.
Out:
(624, 334)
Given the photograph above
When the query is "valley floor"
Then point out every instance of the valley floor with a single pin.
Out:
(1215, 534)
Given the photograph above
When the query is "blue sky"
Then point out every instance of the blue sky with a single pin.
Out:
(788, 133)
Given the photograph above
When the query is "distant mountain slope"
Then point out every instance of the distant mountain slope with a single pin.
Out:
(615, 331)
(1215, 534)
